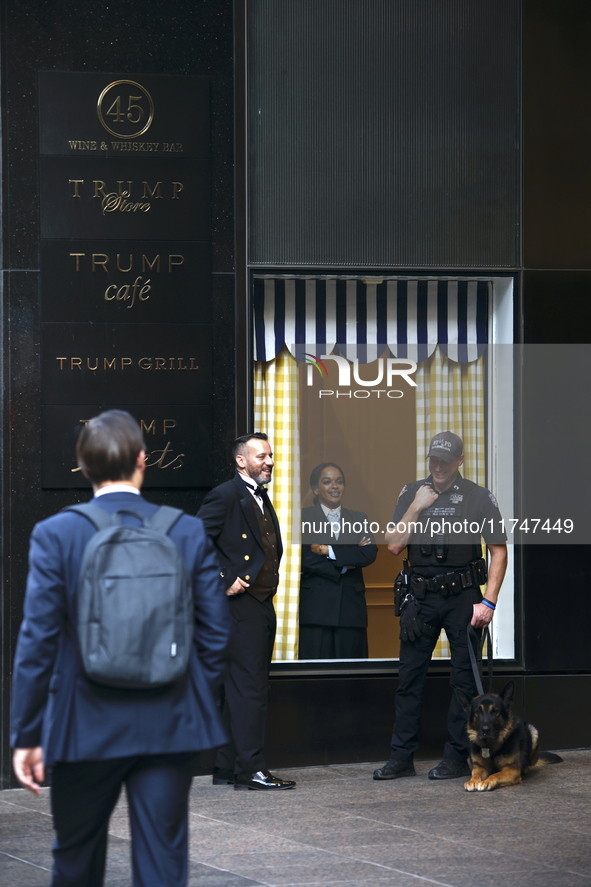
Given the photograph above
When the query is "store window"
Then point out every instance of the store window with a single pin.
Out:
(362, 372)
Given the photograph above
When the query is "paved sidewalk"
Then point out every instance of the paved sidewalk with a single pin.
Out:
(341, 828)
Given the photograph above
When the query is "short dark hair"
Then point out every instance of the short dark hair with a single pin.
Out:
(240, 442)
(108, 447)
(316, 472)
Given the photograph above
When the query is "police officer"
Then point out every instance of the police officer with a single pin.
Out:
(441, 520)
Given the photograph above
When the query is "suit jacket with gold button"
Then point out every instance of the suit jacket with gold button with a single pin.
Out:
(231, 524)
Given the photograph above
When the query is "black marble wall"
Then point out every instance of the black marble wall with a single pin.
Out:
(193, 37)
(384, 133)
(556, 300)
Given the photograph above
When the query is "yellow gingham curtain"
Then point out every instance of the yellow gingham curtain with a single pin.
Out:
(276, 411)
(450, 397)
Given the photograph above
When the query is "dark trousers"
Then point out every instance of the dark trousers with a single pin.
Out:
(453, 614)
(83, 795)
(332, 642)
(246, 684)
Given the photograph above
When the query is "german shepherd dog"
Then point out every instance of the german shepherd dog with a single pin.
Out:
(502, 747)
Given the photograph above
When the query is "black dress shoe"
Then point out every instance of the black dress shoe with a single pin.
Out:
(261, 782)
(395, 770)
(449, 769)
(222, 777)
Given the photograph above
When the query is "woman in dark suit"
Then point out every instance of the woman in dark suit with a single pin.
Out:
(337, 544)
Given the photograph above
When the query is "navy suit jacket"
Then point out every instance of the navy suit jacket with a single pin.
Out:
(231, 523)
(327, 595)
(74, 719)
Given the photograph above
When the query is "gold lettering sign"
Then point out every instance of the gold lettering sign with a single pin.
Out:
(125, 109)
(123, 199)
(128, 292)
(102, 260)
(126, 261)
(168, 425)
(160, 458)
(122, 363)
(122, 147)
(164, 458)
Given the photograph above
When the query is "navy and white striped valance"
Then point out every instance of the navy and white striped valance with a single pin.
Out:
(364, 317)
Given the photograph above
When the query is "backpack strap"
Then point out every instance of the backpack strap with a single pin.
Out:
(163, 520)
(97, 516)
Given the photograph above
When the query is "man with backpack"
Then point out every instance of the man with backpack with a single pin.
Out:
(109, 687)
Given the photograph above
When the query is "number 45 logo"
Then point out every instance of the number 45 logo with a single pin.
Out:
(125, 109)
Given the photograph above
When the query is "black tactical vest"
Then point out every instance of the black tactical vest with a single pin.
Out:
(455, 546)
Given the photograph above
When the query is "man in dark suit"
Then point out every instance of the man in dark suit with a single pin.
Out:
(94, 738)
(242, 524)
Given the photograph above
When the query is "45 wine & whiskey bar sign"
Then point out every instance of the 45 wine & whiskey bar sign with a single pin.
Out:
(126, 267)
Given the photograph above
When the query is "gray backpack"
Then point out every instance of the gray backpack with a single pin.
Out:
(135, 601)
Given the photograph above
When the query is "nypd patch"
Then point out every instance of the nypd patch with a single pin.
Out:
(403, 490)
(493, 500)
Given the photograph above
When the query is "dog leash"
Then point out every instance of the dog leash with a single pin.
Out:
(476, 657)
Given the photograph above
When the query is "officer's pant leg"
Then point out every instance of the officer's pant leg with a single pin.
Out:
(455, 621)
(415, 657)
(83, 795)
(157, 794)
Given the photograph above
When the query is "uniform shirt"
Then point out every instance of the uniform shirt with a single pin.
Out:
(458, 520)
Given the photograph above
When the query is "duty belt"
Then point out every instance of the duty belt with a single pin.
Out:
(447, 584)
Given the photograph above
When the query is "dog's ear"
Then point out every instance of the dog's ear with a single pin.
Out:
(507, 694)
(465, 702)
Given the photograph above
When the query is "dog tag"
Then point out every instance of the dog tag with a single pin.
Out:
(485, 752)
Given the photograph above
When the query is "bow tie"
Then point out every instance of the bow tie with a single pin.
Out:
(261, 493)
